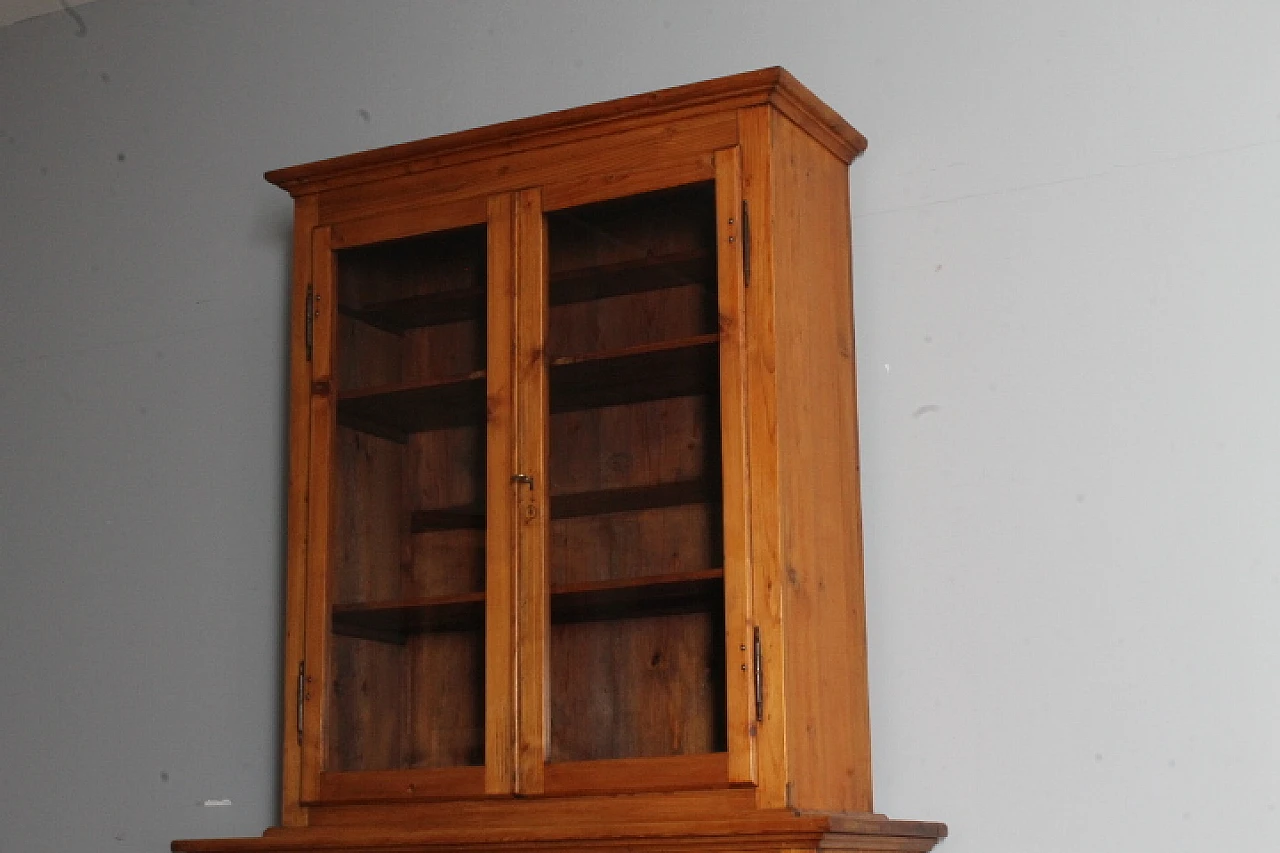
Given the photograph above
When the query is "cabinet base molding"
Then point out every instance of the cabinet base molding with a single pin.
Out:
(767, 831)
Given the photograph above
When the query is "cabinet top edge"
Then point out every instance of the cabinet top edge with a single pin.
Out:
(773, 86)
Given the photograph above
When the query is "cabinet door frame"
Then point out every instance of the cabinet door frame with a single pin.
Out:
(736, 767)
(496, 776)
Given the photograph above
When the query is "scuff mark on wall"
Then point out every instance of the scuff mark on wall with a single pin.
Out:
(82, 29)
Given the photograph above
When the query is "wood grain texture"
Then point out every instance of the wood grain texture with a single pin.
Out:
(629, 680)
(828, 725)
(397, 620)
(445, 711)
(556, 129)
(735, 475)
(636, 687)
(632, 775)
(603, 180)
(391, 786)
(569, 440)
(532, 501)
(410, 444)
(368, 705)
(651, 595)
(292, 812)
(579, 172)
(762, 439)
(321, 451)
(635, 275)
(773, 831)
(422, 218)
(512, 814)
(500, 502)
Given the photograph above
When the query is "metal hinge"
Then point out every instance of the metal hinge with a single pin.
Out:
(311, 319)
(746, 244)
(759, 659)
(302, 696)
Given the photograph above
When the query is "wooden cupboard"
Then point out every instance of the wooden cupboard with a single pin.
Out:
(574, 548)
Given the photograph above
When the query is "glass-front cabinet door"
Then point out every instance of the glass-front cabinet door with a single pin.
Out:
(643, 623)
(527, 546)
(636, 562)
(397, 640)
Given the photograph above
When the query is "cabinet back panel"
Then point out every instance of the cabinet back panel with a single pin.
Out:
(446, 708)
(420, 704)
(615, 446)
(412, 310)
(591, 167)
(367, 500)
(452, 260)
(368, 357)
(447, 470)
(628, 545)
(366, 700)
(635, 688)
(608, 237)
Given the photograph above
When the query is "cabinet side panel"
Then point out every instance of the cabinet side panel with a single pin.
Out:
(304, 219)
(828, 731)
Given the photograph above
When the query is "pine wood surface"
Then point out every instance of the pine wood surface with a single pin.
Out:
(320, 528)
(718, 803)
(500, 556)
(305, 218)
(579, 172)
(763, 831)
(823, 620)
(762, 439)
(384, 786)
(735, 494)
(644, 684)
(420, 218)
(768, 85)
(570, 438)
(532, 415)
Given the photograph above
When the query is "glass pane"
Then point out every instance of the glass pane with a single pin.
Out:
(407, 590)
(636, 542)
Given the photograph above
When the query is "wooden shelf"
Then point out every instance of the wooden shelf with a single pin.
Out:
(395, 621)
(578, 504)
(416, 312)
(395, 411)
(655, 272)
(633, 375)
(632, 498)
(678, 368)
(577, 285)
(469, 517)
(633, 598)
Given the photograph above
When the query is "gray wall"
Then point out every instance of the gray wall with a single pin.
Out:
(1067, 265)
